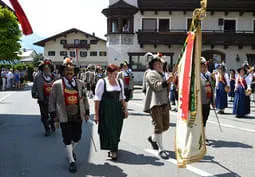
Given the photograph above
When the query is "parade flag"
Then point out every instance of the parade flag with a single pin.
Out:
(25, 25)
(190, 138)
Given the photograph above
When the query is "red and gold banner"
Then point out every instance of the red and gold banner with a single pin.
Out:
(190, 138)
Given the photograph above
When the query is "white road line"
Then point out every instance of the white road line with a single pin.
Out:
(189, 167)
(3, 98)
(216, 123)
(232, 126)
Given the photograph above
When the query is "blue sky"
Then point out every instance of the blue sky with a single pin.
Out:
(49, 17)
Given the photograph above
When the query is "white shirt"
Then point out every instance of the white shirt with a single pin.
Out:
(99, 90)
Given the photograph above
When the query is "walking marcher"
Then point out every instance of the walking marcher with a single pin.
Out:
(127, 76)
(242, 93)
(110, 109)
(90, 81)
(206, 91)
(222, 88)
(68, 104)
(157, 103)
(232, 76)
(41, 90)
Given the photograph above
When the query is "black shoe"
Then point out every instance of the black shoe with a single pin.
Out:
(72, 167)
(164, 155)
(153, 143)
(74, 156)
(47, 133)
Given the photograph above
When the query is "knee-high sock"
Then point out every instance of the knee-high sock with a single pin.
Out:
(69, 152)
(74, 144)
(157, 137)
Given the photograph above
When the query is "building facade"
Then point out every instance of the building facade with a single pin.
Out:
(135, 27)
(84, 48)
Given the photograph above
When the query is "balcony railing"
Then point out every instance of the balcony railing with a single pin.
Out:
(73, 45)
(212, 37)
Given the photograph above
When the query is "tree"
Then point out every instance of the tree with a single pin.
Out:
(37, 59)
(10, 35)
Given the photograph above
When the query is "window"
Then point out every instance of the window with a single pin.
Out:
(76, 41)
(189, 21)
(102, 53)
(163, 25)
(63, 41)
(93, 53)
(138, 63)
(72, 53)
(125, 25)
(93, 41)
(251, 59)
(114, 26)
(229, 25)
(254, 26)
(149, 25)
(51, 53)
(83, 42)
(83, 53)
(63, 53)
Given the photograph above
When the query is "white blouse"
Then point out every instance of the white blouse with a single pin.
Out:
(99, 90)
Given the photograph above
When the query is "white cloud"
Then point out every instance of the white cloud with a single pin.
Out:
(49, 17)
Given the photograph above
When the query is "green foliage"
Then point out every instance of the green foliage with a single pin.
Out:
(10, 35)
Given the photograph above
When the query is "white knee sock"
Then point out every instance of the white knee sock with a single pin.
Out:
(69, 152)
(157, 137)
(74, 145)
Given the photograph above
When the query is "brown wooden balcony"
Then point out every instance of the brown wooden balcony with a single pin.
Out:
(73, 46)
(238, 38)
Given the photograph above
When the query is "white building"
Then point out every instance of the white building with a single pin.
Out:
(84, 48)
(135, 27)
(27, 55)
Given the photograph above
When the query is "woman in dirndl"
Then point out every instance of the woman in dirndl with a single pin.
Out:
(110, 109)
(222, 88)
(242, 93)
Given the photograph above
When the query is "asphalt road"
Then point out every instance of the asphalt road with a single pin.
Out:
(25, 152)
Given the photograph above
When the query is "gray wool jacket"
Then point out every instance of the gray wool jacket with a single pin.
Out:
(57, 100)
(156, 91)
(37, 88)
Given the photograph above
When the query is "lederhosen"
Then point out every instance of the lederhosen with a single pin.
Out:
(46, 120)
(71, 130)
(110, 119)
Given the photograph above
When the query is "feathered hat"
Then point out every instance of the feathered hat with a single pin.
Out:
(152, 58)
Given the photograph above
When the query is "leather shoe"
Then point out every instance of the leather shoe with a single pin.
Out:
(72, 167)
(153, 143)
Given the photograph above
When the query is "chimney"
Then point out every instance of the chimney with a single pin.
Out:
(93, 34)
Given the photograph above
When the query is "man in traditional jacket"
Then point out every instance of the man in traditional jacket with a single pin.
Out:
(69, 105)
(41, 90)
(157, 103)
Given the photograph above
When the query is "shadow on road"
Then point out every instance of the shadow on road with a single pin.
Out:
(128, 157)
(210, 159)
(229, 144)
(106, 170)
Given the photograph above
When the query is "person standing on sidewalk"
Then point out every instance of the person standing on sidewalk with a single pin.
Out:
(68, 104)
(41, 90)
(3, 76)
(157, 103)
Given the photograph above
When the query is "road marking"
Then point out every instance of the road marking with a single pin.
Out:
(189, 167)
(3, 98)
(232, 126)
(216, 123)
